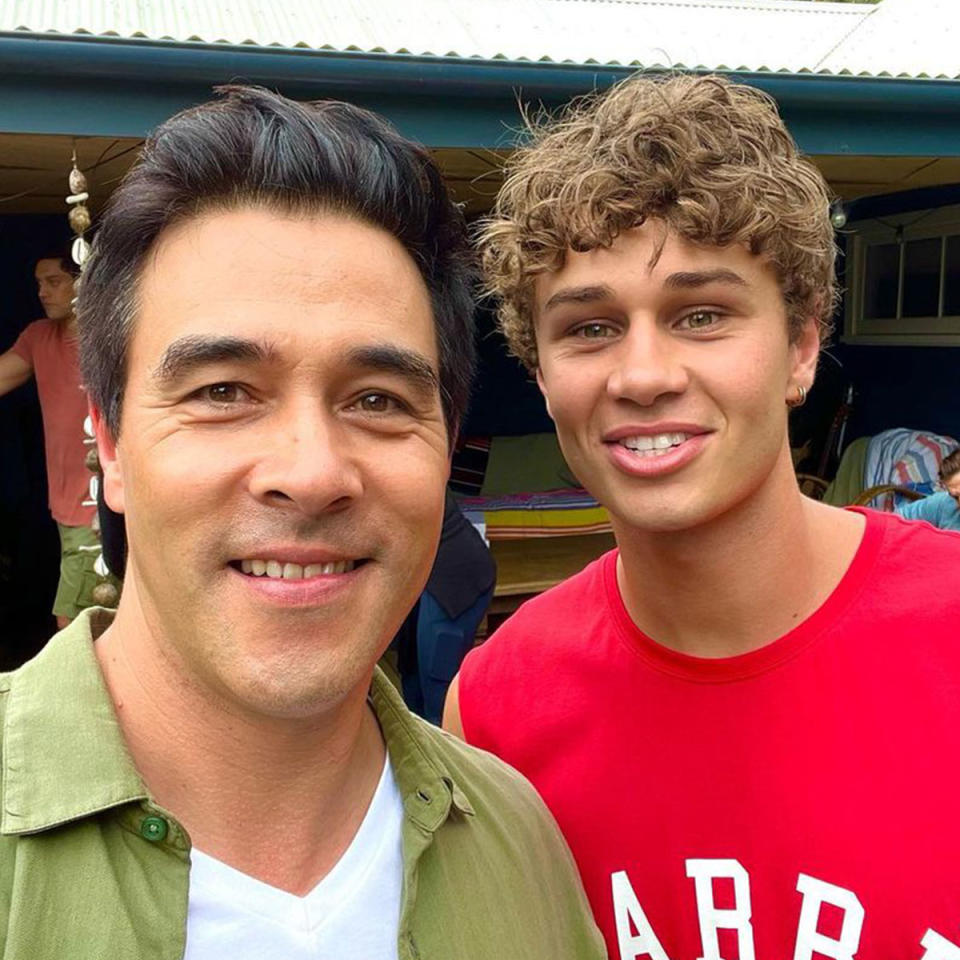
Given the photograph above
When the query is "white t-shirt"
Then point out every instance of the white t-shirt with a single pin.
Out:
(353, 913)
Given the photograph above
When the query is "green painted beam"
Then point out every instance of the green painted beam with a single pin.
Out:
(109, 87)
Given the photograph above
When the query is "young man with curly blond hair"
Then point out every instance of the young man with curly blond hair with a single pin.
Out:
(746, 717)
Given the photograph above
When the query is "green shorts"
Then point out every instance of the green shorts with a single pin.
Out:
(77, 576)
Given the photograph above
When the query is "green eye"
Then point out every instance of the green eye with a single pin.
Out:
(700, 319)
(593, 331)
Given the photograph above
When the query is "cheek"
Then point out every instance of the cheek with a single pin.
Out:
(411, 488)
(745, 379)
(179, 483)
(572, 394)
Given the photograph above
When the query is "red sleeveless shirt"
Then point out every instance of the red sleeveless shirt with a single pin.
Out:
(799, 802)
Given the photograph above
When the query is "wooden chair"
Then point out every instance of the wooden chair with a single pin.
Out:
(878, 491)
(811, 486)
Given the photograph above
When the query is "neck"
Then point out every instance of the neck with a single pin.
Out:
(280, 799)
(741, 580)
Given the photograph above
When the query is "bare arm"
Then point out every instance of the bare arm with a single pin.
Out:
(14, 371)
(451, 709)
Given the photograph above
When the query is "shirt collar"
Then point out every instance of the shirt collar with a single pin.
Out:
(61, 728)
(428, 787)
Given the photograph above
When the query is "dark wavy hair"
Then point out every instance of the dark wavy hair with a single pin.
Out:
(252, 147)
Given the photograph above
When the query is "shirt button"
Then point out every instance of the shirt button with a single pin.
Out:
(154, 829)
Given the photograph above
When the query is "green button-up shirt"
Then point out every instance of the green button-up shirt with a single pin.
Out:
(91, 868)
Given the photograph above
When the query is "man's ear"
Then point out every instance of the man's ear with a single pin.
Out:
(806, 352)
(107, 452)
(543, 390)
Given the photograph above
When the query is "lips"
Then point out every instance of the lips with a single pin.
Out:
(653, 450)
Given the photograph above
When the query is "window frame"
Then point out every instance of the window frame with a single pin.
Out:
(937, 223)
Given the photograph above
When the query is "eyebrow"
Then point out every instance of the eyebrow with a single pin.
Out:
(189, 353)
(688, 281)
(412, 366)
(590, 294)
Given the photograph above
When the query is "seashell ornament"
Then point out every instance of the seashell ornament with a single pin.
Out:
(79, 215)
(105, 595)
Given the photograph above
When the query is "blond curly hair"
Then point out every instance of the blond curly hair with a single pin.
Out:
(709, 157)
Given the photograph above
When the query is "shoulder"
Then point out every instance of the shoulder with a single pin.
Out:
(560, 617)
(497, 794)
(504, 847)
(32, 334)
(563, 608)
(920, 540)
(915, 566)
(927, 507)
(39, 329)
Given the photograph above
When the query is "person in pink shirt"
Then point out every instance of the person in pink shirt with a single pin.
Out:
(47, 350)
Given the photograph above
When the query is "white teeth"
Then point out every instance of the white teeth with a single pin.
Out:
(294, 571)
(654, 445)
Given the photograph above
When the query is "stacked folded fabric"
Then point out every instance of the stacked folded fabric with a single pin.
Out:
(554, 513)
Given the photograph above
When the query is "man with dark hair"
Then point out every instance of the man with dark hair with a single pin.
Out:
(746, 717)
(276, 337)
(47, 350)
(941, 509)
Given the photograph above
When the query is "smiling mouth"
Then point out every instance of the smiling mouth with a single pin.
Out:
(279, 570)
(654, 446)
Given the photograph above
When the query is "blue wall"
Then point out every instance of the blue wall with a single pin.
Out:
(916, 387)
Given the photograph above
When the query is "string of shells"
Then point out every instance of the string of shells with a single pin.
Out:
(105, 594)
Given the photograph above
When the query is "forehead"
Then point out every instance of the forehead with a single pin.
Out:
(295, 281)
(47, 269)
(647, 257)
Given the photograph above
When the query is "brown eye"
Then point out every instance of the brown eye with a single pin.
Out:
(222, 393)
(377, 403)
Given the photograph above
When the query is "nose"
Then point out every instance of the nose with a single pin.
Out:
(307, 464)
(648, 365)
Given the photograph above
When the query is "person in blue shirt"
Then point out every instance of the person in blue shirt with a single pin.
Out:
(941, 509)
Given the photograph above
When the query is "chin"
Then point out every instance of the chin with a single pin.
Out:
(301, 681)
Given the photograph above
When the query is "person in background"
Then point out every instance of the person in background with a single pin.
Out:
(441, 628)
(47, 350)
(276, 337)
(746, 717)
(941, 509)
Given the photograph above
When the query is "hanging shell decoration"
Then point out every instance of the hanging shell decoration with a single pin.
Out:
(79, 215)
(105, 593)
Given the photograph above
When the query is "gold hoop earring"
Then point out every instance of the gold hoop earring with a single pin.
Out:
(800, 399)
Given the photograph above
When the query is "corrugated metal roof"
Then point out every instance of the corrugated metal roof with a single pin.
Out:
(904, 38)
(753, 35)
